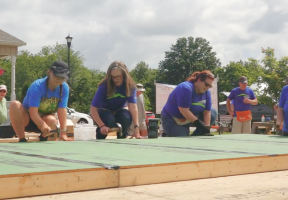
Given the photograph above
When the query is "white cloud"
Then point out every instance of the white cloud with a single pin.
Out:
(142, 30)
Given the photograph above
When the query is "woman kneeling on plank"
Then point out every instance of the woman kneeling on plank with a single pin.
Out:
(189, 104)
(107, 107)
(44, 98)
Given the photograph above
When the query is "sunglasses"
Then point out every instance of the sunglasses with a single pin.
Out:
(116, 77)
(207, 84)
(60, 70)
(4, 91)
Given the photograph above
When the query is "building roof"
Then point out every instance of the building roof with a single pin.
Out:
(7, 39)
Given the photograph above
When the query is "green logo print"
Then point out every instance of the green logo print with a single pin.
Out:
(117, 95)
(198, 104)
(241, 95)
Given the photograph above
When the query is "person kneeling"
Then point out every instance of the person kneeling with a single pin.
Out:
(189, 104)
(44, 98)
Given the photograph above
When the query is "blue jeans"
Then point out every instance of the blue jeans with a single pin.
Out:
(110, 119)
(174, 130)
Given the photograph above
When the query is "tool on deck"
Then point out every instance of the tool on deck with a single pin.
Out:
(118, 130)
(55, 131)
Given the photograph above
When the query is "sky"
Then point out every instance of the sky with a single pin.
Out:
(142, 30)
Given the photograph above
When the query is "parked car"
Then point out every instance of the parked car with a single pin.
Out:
(77, 117)
(256, 110)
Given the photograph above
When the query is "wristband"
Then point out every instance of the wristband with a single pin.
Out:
(102, 126)
(136, 126)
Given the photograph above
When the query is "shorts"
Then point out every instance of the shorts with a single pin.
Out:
(32, 127)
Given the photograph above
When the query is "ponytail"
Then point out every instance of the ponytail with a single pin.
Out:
(202, 75)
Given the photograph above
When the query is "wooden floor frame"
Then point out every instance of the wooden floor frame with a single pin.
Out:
(32, 184)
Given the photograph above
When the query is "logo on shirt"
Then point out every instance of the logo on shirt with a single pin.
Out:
(116, 96)
(242, 95)
(48, 106)
(201, 103)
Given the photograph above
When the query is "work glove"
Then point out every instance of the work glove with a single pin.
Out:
(203, 130)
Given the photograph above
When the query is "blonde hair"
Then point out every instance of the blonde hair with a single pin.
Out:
(111, 88)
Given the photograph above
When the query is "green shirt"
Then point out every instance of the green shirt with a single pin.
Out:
(3, 111)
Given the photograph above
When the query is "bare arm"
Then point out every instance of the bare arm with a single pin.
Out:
(187, 114)
(132, 107)
(95, 115)
(280, 118)
(207, 117)
(228, 106)
(250, 101)
(62, 116)
(34, 115)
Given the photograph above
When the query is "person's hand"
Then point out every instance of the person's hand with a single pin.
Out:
(248, 101)
(203, 130)
(45, 129)
(278, 127)
(231, 113)
(104, 130)
(136, 134)
(63, 136)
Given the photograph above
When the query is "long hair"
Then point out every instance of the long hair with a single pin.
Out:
(127, 80)
(47, 83)
(202, 75)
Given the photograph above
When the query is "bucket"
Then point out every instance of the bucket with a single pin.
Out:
(84, 132)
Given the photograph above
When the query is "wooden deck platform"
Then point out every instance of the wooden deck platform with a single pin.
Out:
(37, 168)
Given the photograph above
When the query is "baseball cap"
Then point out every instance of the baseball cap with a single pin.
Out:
(140, 87)
(3, 87)
(60, 69)
(243, 79)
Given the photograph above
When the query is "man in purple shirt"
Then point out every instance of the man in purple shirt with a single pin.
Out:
(243, 97)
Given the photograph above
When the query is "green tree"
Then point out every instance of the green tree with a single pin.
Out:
(229, 75)
(274, 74)
(29, 67)
(185, 57)
(146, 76)
(85, 85)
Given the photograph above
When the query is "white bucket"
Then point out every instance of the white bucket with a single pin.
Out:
(84, 132)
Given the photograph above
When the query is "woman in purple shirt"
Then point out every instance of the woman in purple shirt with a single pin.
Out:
(107, 107)
(189, 104)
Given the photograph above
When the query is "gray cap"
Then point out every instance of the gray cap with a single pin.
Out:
(60, 69)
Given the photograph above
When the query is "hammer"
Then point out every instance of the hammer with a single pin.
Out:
(57, 130)
(118, 130)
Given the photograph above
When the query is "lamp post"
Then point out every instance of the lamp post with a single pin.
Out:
(69, 39)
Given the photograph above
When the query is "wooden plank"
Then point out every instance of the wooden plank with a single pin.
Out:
(200, 169)
(15, 140)
(70, 126)
(31, 185)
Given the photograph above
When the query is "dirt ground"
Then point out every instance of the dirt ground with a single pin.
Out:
(262, 186)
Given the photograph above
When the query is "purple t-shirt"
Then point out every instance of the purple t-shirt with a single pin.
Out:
(117, 101)
(283, 103)
(185, 96)
(237, 95)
